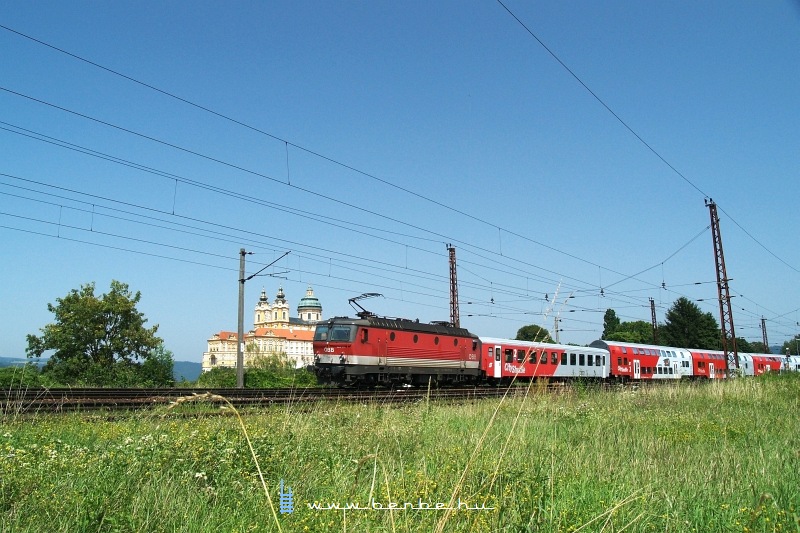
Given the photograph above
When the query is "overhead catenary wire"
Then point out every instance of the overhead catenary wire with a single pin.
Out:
(510, 290)
(287, 143)
(212, 188)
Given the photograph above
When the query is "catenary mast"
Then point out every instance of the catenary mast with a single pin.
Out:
(725, 313)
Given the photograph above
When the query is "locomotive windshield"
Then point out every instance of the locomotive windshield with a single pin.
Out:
(336, 333)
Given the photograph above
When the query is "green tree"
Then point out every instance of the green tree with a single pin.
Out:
(533, 333)
(275, 370)
(96, 340)
(687, 326)
(610, 324)
(638, 332)
(20, 376)
(792, 347)
(745, 346)
(157, 369)
(218, 378)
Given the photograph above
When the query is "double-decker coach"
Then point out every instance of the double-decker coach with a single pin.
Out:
(503, 359)
(709, 364)
(630, 361)
(764, 362)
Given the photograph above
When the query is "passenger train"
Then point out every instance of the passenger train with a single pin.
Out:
(371, 350)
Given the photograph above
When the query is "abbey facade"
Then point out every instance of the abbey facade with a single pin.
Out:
(274, 332)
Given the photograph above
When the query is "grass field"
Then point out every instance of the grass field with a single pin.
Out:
(709, 457)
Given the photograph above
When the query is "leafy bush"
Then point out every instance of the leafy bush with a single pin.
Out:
(25, 376)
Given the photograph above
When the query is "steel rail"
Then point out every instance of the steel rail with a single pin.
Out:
(88, 399)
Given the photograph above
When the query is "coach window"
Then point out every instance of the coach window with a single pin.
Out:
(520, 355)
(364, 335)
(572, 359)
(582, 359)
(416, 338)
(553, 358)
(619, 360)
(590, 359)
(623, 349)
(474, 346)
(436, 340)
(635, 351)
(543, 358)
(496, 353)
(564, 358)
(509, 355)
(599, 360)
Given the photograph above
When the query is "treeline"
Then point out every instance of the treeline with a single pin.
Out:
(268, 372)
(103, 341)
(685, 326)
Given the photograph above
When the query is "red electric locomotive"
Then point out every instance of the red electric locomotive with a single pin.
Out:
(370, 350)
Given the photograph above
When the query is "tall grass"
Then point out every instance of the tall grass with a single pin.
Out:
(712, 457)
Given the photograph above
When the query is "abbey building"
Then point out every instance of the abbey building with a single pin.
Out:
(274, 332)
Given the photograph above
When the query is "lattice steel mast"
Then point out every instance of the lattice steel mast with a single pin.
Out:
(725, 313)
(454, 318)
(653, 319)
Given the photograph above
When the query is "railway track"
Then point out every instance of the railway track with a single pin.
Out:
(25, 401)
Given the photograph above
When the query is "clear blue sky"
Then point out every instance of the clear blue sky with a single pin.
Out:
(437, 122)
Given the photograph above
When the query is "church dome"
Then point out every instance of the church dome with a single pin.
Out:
(309, 301)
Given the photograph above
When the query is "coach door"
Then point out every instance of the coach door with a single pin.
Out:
(711, 374)
(637, 369)
(498, 365)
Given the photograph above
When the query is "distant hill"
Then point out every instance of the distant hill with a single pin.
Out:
(181, 369)
(186, 370)
(19, 361)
